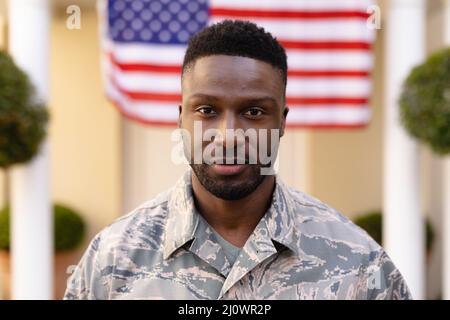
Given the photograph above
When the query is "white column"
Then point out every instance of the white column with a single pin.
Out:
(446, 185)
(32, 223)
(403, 228)
(446, 228)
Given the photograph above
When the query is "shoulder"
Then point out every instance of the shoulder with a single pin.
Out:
(110, 251)
(328, 236)
(146, 221)
(333, 239)
(313, 217)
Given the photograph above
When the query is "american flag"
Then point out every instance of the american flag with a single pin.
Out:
(328, 43)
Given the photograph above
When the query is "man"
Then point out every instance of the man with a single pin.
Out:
(226, 230)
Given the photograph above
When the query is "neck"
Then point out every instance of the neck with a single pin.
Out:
(234, 220)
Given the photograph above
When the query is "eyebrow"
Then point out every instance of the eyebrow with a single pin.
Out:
(203, 96)
(250, 99)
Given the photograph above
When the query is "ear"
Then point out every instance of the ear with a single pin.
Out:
(180, 108)
(283, 120)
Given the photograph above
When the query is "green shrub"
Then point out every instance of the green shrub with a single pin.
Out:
(22, 121)
(69, 228)
(4, 229)
(425, 102)
(372, 223)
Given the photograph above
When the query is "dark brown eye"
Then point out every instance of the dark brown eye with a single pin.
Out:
(254, 112)
(206, 110)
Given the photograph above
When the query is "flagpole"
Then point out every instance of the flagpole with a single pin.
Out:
(403, 228)
(32, 231)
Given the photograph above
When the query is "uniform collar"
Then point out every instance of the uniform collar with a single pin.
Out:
(185, 223)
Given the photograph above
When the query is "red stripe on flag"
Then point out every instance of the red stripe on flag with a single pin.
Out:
(286, 14)
(152, 96)
(145, 67)
(325, 45)
(331, 125)
(328, 73)
(357, 102)
(149, 67)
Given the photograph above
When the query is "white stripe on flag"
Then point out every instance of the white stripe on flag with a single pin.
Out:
(150, 53)
(341, 115)
(147, 81)
(330, 60)
(147, 111)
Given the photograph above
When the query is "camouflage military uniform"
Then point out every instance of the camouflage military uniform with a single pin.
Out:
(301, 249)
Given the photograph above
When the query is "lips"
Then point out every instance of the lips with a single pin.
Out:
(228, 166)
(229, 161)
(228, 169)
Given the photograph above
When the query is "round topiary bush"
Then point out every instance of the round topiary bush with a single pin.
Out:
(4, 229)
(22, 120)
(69, 228)
(372, 223)
(425, 102)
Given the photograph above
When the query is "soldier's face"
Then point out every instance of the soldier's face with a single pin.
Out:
(223, 92)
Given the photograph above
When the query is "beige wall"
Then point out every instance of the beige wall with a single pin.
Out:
(85, 130)
(347, 163)
(147, 166)
(432, 169)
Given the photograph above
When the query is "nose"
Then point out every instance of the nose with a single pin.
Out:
(228, 137)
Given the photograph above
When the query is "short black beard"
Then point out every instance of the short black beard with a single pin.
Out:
(227, 189)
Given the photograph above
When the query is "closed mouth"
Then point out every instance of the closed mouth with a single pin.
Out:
(230, 161)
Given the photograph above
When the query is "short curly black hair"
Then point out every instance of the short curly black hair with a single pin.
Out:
(236, 38)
